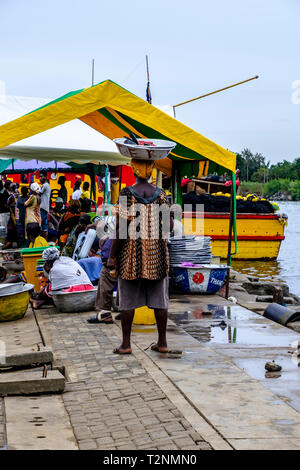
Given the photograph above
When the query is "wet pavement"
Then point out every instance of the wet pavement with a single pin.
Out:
(215, 394)
(215, 324)
(249, 340)
(221, 371)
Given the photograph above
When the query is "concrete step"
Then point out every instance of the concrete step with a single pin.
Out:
(30, 382)
(23, 357)
(38, 423)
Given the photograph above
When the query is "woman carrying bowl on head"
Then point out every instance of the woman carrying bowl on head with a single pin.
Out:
(141, 259)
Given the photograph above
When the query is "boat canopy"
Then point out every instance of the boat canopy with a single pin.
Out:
(115, 112)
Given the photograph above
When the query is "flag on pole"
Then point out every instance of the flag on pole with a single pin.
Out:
(148, 93)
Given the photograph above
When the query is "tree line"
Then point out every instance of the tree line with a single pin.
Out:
(259, 176)
(255, 167)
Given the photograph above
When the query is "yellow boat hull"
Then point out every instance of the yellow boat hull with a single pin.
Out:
(259, 236)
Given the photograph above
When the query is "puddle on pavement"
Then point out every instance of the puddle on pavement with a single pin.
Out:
(258, 339)
(230, 324)
(144, 330)
(285, 385)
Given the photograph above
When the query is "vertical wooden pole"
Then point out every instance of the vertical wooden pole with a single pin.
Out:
(229, 323)
(174, 182)
(120, 180)
(93, 71)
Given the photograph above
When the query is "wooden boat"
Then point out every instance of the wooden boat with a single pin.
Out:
(259, 236)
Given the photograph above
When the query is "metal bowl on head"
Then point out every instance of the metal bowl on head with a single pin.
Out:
(147, 149)
(74, 302)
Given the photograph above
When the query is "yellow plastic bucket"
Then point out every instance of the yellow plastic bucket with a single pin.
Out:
(144, 316)
(30, 258)
(30, 262)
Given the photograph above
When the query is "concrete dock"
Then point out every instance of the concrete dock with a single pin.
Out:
(215, 395)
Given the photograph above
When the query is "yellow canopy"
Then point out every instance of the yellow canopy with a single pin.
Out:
(115, 112)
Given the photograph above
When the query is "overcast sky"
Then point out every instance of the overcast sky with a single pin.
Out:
(194, 47)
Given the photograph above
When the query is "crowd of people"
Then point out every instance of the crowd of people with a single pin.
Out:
(33, 222)
(22, 207)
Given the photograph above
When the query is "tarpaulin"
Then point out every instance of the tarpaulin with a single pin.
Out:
(115, 112)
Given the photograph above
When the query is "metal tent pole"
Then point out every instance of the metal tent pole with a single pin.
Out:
(229, 239)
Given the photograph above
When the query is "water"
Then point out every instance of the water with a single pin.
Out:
(232, 324)
(287, 267)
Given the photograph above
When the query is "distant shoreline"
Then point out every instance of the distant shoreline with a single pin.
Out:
(277, 190)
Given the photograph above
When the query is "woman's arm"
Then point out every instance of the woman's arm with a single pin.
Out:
(29, 201)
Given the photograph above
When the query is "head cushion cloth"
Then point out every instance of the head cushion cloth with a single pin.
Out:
(142, 168)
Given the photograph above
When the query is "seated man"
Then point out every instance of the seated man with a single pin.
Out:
(83, 221)
(85, 205)
(68, 221)
(106, 286)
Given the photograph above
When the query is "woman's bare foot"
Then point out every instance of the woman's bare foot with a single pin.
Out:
(158, 348)
(36, 304)
(34, 296)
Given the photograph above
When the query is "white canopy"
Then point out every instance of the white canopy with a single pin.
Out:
(71, 142)
(48, 154)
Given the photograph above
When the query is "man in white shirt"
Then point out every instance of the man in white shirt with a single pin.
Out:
(77, 191)
(45, 193)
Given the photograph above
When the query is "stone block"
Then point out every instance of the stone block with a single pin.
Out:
(269, 299)
(30, 382)
(264, 288)
(27, 357)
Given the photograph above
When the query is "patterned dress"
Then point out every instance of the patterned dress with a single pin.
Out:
(144, 253)
(33, 214)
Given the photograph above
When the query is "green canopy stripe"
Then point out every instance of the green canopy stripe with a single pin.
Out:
(4, 164)
(73, 93)
(61, 98)
(112, 119)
